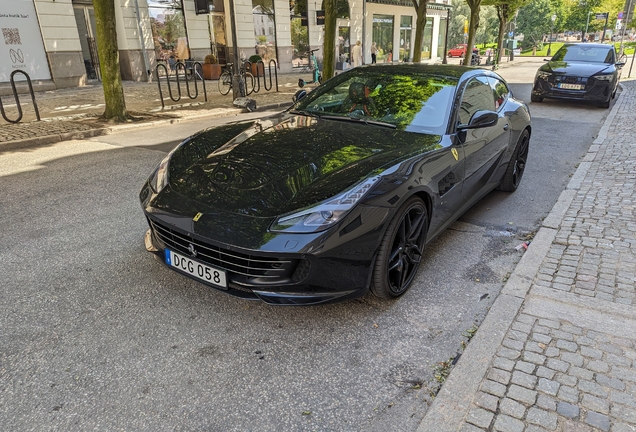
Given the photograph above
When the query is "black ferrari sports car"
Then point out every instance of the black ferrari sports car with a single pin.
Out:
(583, 71)
(340, 193)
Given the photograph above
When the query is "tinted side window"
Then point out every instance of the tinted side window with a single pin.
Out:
(500, 92)
(478, 95)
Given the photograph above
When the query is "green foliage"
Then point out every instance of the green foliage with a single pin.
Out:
(210, 59)
(254, 58)
(404, 97)
(534, 20)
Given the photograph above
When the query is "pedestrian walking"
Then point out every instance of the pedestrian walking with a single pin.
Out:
(374, 52)
(356, 54)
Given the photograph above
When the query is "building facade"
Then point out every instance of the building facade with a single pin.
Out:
(54, 40)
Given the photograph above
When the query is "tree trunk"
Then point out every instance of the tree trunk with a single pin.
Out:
(420, 22)
(472, 29)
(108, 53)
(329, 46)
(501, 14)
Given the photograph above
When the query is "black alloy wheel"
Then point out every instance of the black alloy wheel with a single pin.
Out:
(535, 98)
(401, 250)
(517, 165)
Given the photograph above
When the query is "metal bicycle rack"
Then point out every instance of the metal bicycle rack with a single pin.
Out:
(257, 77)
(17, 98)
(197, 74)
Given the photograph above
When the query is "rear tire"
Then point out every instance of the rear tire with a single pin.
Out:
(535, 98)
(401, 250)
(517, 165)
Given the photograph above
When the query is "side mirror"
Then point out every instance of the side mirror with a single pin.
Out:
(299, 95)
(481, 119)
(546, 59)
(619, 64)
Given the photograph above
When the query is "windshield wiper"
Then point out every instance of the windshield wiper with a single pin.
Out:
(359, 120)
(305, 113)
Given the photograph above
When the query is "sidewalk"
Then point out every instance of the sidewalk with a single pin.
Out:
(72, 113)
(557, 350)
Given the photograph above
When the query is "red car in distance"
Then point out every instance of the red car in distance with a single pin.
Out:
(460, 51)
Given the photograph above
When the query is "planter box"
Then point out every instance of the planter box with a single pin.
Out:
(211, 71)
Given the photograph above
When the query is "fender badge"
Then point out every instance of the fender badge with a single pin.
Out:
(455, 155)
(197, 217)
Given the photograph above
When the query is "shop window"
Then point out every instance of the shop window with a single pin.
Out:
(264, 29)
(299, 32)
(168, 31)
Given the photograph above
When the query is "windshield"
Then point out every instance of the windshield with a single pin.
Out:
(409, 101)
(588, 54)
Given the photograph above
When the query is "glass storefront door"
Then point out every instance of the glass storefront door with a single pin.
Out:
(344, 45)
(427, 39)
(85, 20)
(383, 37)
(218, 40)
(442, 38)
(405, 37)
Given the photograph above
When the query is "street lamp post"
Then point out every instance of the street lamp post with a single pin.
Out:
(587, 24)
(553, 18)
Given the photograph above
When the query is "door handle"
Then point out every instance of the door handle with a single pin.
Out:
(505, 127)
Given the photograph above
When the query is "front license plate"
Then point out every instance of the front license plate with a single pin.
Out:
(570, 86)
(194, 268)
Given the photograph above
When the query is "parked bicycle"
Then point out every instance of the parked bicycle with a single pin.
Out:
(313, 69)
(225, 80)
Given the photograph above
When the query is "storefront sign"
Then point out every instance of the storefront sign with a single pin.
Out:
(21, 44)
(201, 6)
(320, 17)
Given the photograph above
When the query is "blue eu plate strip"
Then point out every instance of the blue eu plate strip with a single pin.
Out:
(167, 255)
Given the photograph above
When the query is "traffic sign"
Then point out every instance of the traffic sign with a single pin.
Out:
(511, 34)
(620, 15)
(601, 15)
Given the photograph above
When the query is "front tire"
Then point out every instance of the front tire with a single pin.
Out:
(225, 83)
(517, 165)
(401, 249)
(535, 98)
(604, 104)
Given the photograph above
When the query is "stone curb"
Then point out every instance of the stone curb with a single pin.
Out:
(453, 402)
(89, 133)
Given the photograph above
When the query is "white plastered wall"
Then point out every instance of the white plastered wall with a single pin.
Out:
(58, 26)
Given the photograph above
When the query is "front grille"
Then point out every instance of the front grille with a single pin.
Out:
(570, 79)
(243, 267)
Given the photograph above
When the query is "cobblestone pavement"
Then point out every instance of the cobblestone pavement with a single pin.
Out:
(567, 361)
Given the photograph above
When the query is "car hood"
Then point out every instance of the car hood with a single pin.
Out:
(576, 68)
(282, 164)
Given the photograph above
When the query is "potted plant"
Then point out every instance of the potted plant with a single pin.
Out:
(211, 67)
(255, 67)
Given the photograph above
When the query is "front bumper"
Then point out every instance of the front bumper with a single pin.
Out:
(294, 279)
(593, 89)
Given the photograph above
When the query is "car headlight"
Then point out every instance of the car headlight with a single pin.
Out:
(603, 77)
(159, 178)
(543, 74)
(325, 214)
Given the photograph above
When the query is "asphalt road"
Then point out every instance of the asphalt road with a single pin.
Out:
(95, 334)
